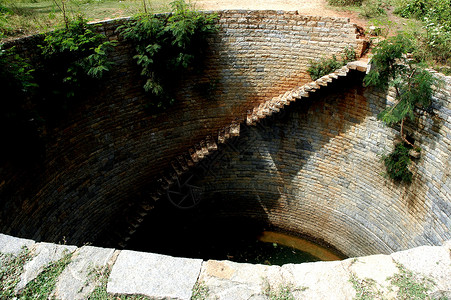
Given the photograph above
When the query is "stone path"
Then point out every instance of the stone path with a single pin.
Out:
(164, 277)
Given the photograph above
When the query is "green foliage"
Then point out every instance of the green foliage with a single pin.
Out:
(397, 164)
(44, 283)
(200, 291)
(434, 43)
(345, 2)
(410, 286)
(412, 82)
(167, 47)
(74, 54)
(10, 269)
(284, 292)
(326, 66)
(373, 8)
(366, 289)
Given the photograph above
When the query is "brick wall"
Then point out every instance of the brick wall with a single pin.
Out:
(104, 156)
(315, 170)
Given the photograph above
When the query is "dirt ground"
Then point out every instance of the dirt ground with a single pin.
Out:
(305, 7)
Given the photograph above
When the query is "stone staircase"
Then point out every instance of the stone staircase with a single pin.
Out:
(183, 163)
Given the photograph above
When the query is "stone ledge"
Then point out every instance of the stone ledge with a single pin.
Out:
(165, 277)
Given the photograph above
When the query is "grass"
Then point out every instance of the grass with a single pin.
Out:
(42, 286)
(25, 17)
(407, 284)
(365, 288)
(200, 291)
(411, 286)
(10, 269)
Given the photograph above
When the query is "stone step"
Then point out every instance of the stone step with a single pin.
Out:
(221, 136)
(199, 152)
(193, 154)
(203, 147)
(211, 145)
(235, 129)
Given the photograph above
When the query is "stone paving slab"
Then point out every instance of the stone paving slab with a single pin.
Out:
(430, 261)
(322, 280)
(153, 275)
(75, 282)
(229, 280)
(43, 255)
(13, 245)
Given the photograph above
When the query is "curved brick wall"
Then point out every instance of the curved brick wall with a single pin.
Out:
(315, 169)
(104, 158)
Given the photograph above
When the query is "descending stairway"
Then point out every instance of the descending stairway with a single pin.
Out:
(183, 163)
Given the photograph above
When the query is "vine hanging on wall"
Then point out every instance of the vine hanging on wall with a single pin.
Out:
(390, 67)
(167, 47)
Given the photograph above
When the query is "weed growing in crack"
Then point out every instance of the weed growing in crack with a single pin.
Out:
(200, 291)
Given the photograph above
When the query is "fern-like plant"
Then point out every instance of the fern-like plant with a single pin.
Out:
(390, 67)
(167, 47)
(73, 54)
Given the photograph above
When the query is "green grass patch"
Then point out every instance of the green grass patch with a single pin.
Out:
(200, 291)
(25, 17)
(411, 286)
(366, 289)
(11, 267)
(42, 286)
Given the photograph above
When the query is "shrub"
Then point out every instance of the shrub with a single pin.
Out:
(413, 86)
(373, 8)
(73, 59)
(75, 52)
(326, 66)
(397, 163)
(167, 47)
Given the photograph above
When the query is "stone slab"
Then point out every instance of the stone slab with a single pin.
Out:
(75, 281)
(322, 280)
(433, 262)
(13, 245)
(153, 275)
(228, 280)
(378, 268)
(43, 255)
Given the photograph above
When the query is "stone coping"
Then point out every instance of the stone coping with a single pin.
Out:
(165, 277)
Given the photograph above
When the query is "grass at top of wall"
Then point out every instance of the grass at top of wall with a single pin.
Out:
(25, 17)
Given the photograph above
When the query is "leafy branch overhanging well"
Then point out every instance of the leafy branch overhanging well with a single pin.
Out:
(167, 47)
(413, 86)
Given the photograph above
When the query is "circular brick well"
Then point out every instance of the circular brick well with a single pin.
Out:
(312, 169)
